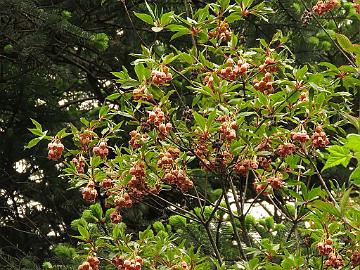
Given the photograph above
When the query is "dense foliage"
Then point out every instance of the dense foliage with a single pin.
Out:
(212, 123)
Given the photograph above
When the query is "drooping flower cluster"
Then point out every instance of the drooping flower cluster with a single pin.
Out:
(179, 178)
(173, 175)
(323, 7)
(115, 217)
(275, 182)
(244, 166)
(137, 139)
(123, 201)
(92, 263)
(355, 259)
(142, 93)
(269, 65)
(101, 150)
(319, 138)
(335, 261)
(222, 32)
(265, 85)
(107, 183)
(55, 150)
(85, 138)
(157, 117)
(233, 71)
(286, 149)
(209, 81)
(160, 77)
(89, 192)
(227, 128)
(261, 188)
(264, 162)
(325, 248)
(79, 164)
(356, 6)
(137, 184)
(301, 137)
(126, 264)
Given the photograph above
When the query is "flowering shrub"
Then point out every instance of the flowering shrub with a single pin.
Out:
(225, 129)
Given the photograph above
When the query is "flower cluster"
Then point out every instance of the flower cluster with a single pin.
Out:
(137, 139)
(264, 162)
(134, 264)
(269, 65)
(101, 150)
(142, 93)
(209, 81)
(323, 7)
(301, 137)
(123, 201)
(115, 217)
(261, 188)
(244, 166)
(355, 258)
(160, 77)
(157, 117)
(275, 182)
(89, 192)
(79, 164)
(232, 71)
(55, 150)
(222, 32)
(265, 85)
(356, 6)
(335, 261)
(319, 138)
(85, 138)
(325, 248)
(227, 128)
(92, 263)
(166, 159)
(286, 149)
(106, 183)
(179, 178)
(137, 185)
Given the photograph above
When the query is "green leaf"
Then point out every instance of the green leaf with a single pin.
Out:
(200, 120)
(326, 207)
(353, 142)
(84, 232)
(47, 265)
(35, 131)
(149, 9)
(84, 121)
(113, 96)
(344, 42)
(104, 110)
(344, 202)
(37, 124)
(62, 134)
(140, 71)
(165, 19)
(338, 155)
(33, 142)
(299, 74)
(145, 17)
(224, 4)
(177, 28)
(355, 176)
(118, 230)
(97, 211)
